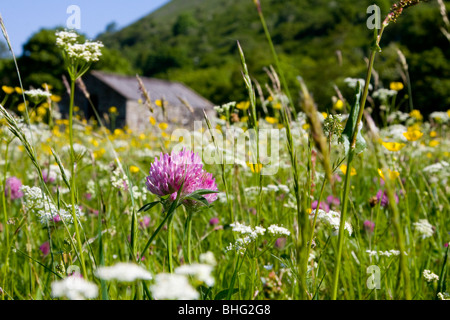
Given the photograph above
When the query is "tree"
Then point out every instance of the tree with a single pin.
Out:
(42, 61)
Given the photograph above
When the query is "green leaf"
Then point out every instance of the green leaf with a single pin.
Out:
(198, 198)
(148, 206)
(202, 192)
(223, 294)
(351, 125)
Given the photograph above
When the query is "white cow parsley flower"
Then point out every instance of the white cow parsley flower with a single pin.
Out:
(74, 288)
(173, 287)
(37, 94)
(126, 272)
(201, 272)
(424, 228)
(430, 276)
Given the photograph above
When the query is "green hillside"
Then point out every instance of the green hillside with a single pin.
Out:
(194, 41)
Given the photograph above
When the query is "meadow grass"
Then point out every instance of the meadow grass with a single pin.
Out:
(351, 212)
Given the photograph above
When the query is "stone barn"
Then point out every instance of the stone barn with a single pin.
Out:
(182, 106)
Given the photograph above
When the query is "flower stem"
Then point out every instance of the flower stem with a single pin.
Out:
(342, 224)
(189, 231)
(72, 178)
(169, 243)
(6, 266)
(351, 153)
(314, 222)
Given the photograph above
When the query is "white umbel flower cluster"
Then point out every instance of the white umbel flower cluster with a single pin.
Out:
(74, 288)
(87, 52)
(443, 296)
(278, 231)
(383, 94)
(430, 276)
(352, 83)
(437, 167)
(39, 203)
(37, 94)
(440, 116)
(424, 228)
(125, 272)
(251, 234)
(201, 272)
(119, 180)
(208, 258)
(333, 219)
(173, 287)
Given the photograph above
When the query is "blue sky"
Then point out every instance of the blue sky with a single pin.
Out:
(24, 17)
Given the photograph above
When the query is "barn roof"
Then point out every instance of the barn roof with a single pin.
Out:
(128, 87)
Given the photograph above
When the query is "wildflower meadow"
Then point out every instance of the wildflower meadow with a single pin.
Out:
(272, 199)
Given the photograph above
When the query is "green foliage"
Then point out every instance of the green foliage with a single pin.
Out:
(310, 38)
(42, 62)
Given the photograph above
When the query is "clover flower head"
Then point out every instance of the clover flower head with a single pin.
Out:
(170, 171)
(13, 188)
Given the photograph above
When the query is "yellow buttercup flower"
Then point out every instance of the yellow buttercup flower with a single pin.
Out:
(433, 134)
(55, 98)
(339, 105)
(152, 121)
(18, 90)
(21, 107)
(305, 126)
(94, 142)
(256, 168)
(392, 174)
(393, 146)
(56, 131)
(99, 153)
(277, 106)
(344, 170)
(134, 169)
(434, 143)
(118, 132)
(416, 114)
(397, 86)
(244, 119)
(47, 86)
(165, 135)
(324, 115)
(113, 110)
(243, 105)
(163, 126)
(8, 90)
(159, 103)
(41, 111)
(412, 135)
(271, 120)
(270, 99)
